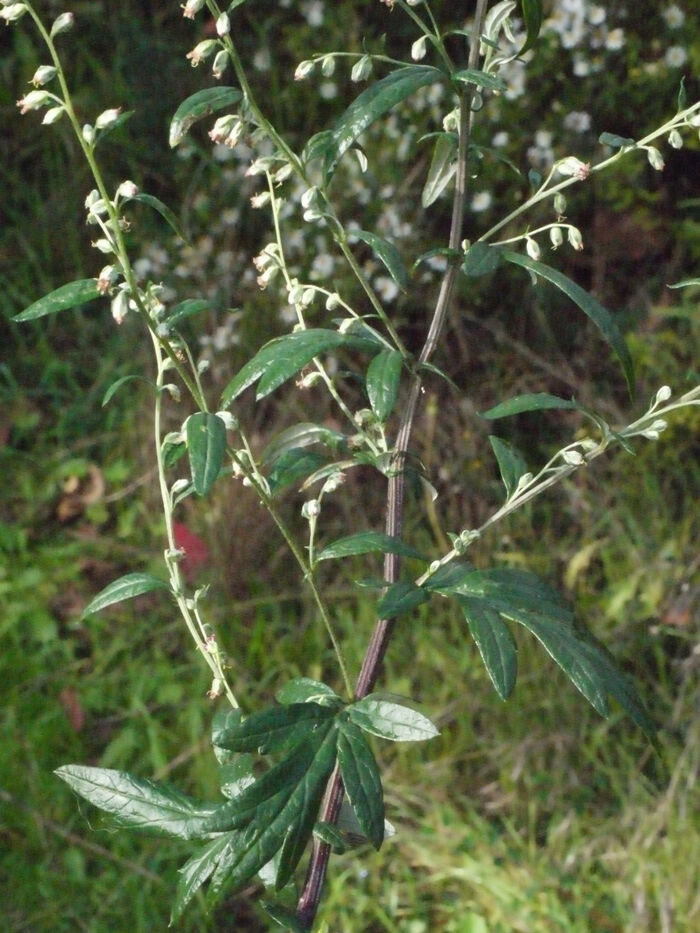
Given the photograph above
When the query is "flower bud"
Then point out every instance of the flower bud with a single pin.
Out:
(202, 51)
(327, 66)
(120, 306)
(12, 12)
(332, 302)
(223, 25)
(178, 486)
(43, 75)
(282, 174)
(53, 114)
(663, 395)
(362, 69)
(303, 70)
(220, 63)
(573, 167)
(191, 8)
(556, 236)
(309, 196)
(418, 49)
(62, 23)
(675, 139)
(311, 509)
(88, 132)
(573, 235)
(294, 295)
(532, 248)
(33, 100)
(559, 203)
(105, 279)
(127, 189)
(656, 160)
(107, 118)
(103, 245)
(260, 200)
(573, 457)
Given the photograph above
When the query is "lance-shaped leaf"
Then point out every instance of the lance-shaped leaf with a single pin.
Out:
(495, 644)
(532, 17)
(63, 298)
(443, 165)
(587, 303)
(302, 435)
(196, 871)
(292, 467)
(523, 598)
(372, 104)
(199, 105)
(284, 357)
(362, 781)
(399, 598)
(387, 253)
(279, 809)
(142, 804)
(615, 141)
(185, 309)
(480, 79)
(391, 720)
(532, 401)
(366, 542)
(274, 729)
(206, 446)
(510, 463)
(126, 587)
(164, 211)
(383, 377)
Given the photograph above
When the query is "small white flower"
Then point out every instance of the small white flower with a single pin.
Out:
(674, 16)
(560, 204)
(220, 63)
(107, 118)
(596, 15)
(53, 114)
(386, 288)
(481, 201)
(127, 189)
(12, 12)
(328, 90)
(43, 75)
(615, 39)
(311, 509)
(33, 100)
(191, 8)
(578, 120)
(223, 25)
(120, 306)
(327, 66)
(202, 51)
(88, 133)
(676, 56)
(571, 166)
(500, 139)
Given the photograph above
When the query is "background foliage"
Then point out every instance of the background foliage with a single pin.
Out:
(533, 815)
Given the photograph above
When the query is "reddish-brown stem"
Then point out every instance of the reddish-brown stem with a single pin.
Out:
(321, 851)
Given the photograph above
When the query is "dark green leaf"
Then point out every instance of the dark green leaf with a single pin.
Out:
(399, 598)
(383, 377)
(532, 18)
(199, 105)
(373, 103)
(292, 467)
(431, 368)
(587, 303)
(283, 916)
(206, 446)
(362, 781)
(133, 584)
(236, 775)
(391, 720)
(480, 79)
(442, 167)
(533, 401)
(510, 463)
(186, 309)
(274, 729)
(163, 210)
(306, 690)
(117, 384)
(453, 256)
(495, 644)
(224, 721)
(387, 253)
(302, 435)
(367, 542)
(195, 872)
(284, 357)
(615, 141)
(63, 298)
(332, 836)
(138, 803)
(480, 259)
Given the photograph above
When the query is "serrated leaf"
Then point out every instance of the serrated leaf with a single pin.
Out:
(443, 165)
(532, 18)
(372, 103)
(399, 598)
(523, 598)
(195, 872)
(126, 587)
(138, 803)
(480, 259)
(367, 542)
(615, 141)
(392, 721)
(274, 729)
(302, 435)
(283, 916)
(532, 401)
(61, 299)
(164, 211)
(587, 303)
(206, 446)
(510, 463)
(362, 781)
(387, 253)
(306, 690)
(383, 377)
(118, 383)
(200, 105)
(495, 644)
(284, 357)
(480, 79)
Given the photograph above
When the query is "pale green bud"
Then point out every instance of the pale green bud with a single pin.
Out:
(419, 48)
(303, 70)
(675, 139)
(191, 8)
(220, 63)
(656, 160)
(573, 167)
(327, 66)
(43, 75)
(62, 23)
(311, 509)
(663, 395)
(53, 115)
(559, 203)
(362, 69)
(556, 236)
(223, 25)
(33, 101)
(533, 249)
(573, 235)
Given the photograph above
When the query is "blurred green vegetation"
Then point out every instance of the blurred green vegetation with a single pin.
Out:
(531, 816)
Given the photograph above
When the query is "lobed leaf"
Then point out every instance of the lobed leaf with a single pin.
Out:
(126, 587)
(206, 446)
(61, 299)
(587, 303)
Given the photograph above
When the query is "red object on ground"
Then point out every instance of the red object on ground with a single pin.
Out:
(196, 552)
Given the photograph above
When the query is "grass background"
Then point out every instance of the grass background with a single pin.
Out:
(531, 816)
